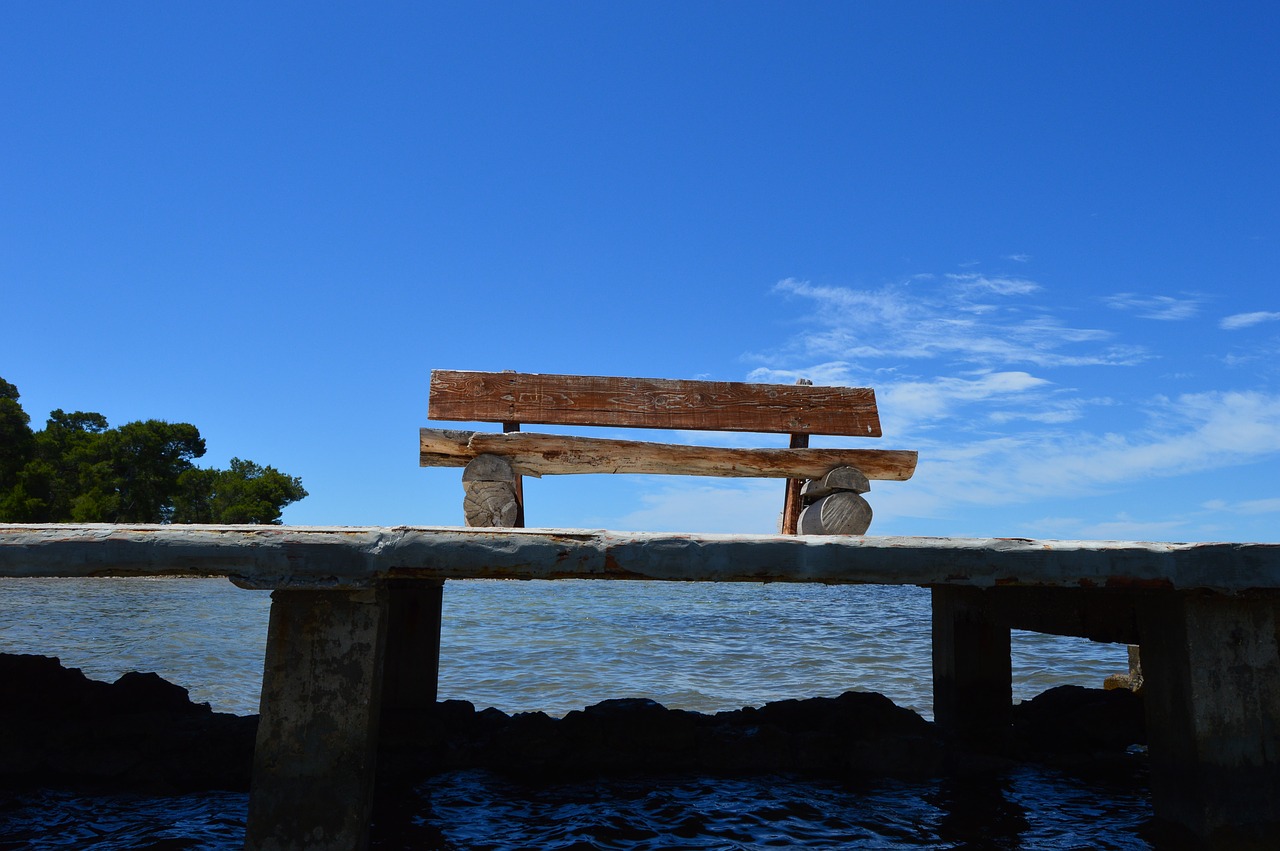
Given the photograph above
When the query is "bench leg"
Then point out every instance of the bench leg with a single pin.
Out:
(972, 668)
(1211, 665)
(313, 766)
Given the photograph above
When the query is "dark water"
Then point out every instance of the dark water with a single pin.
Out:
(524, 646)
(1029, 808)
(1024, 809)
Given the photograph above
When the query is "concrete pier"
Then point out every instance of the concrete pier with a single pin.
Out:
(354, 638)
(1213, 712)
(411, 663)
(313, 766)
(972, 666)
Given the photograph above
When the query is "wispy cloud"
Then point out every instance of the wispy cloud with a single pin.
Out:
(744, 506)
(1126, 528)
(975, 283)
(1247, 507)
(1161, 307)
(966, 319)
(1246, 320)
(909, 405)
(1192, 433)
(976, 373)
(994, 477)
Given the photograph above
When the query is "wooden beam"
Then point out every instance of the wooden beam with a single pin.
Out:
(549, 454)
(589, 400)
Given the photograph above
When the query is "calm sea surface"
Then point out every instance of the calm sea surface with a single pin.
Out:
(558, 646)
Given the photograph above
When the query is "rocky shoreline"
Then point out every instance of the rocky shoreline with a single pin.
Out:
(141, 733)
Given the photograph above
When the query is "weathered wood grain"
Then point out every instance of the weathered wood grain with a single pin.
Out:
(533, 454)
(587, 400)
(489, 468)
(490, 504)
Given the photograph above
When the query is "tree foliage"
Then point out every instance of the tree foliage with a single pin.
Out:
(16, 438)
(78, 469)
(245, 493)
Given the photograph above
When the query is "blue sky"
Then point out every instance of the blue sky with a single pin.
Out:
(1046, 234)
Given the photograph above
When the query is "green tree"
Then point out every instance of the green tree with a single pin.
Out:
(17, 441)
(244, 493)
(70, 458)
(144, 461)
(78, 469)
(17, 452)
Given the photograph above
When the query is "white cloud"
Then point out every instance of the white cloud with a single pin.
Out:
(954, 319)
(1249, 506)
(1194, 433)
(960, 364)
(1126, 528)
(1161, 307)
(1018, 258)
(1001, 475)
(974, 283)
(749, 506)
(1246, 320)
(905, 403)
(1053, 411)
(831, 373)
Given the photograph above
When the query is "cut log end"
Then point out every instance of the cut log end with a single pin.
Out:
(839, 479)
(841, 513)
(489, 468)
(490, 504)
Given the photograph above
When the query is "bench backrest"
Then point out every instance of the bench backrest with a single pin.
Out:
(495, 462)
(587, 400)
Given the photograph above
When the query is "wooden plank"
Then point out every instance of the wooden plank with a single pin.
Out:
(587, 400)
(533, 454)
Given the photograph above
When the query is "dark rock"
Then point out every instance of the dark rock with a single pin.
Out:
(142, 733)
(136, 693)
(139, 733)
(857, 733)
(1077, 720)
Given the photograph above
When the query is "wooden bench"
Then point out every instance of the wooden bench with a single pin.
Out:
(824, 487)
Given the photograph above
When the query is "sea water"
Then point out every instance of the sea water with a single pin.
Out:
(558, 646)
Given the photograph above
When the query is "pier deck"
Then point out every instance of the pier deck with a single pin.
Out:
(354, 637)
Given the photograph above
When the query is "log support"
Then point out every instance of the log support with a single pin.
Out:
(313, 766)
(1211, 664)
(972, 668)
(840, 513)
(833, 504)
(491, 493)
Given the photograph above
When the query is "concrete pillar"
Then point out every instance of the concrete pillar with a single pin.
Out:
(412, 668)
(313, 767)
(972, 668)
(1211, 664)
